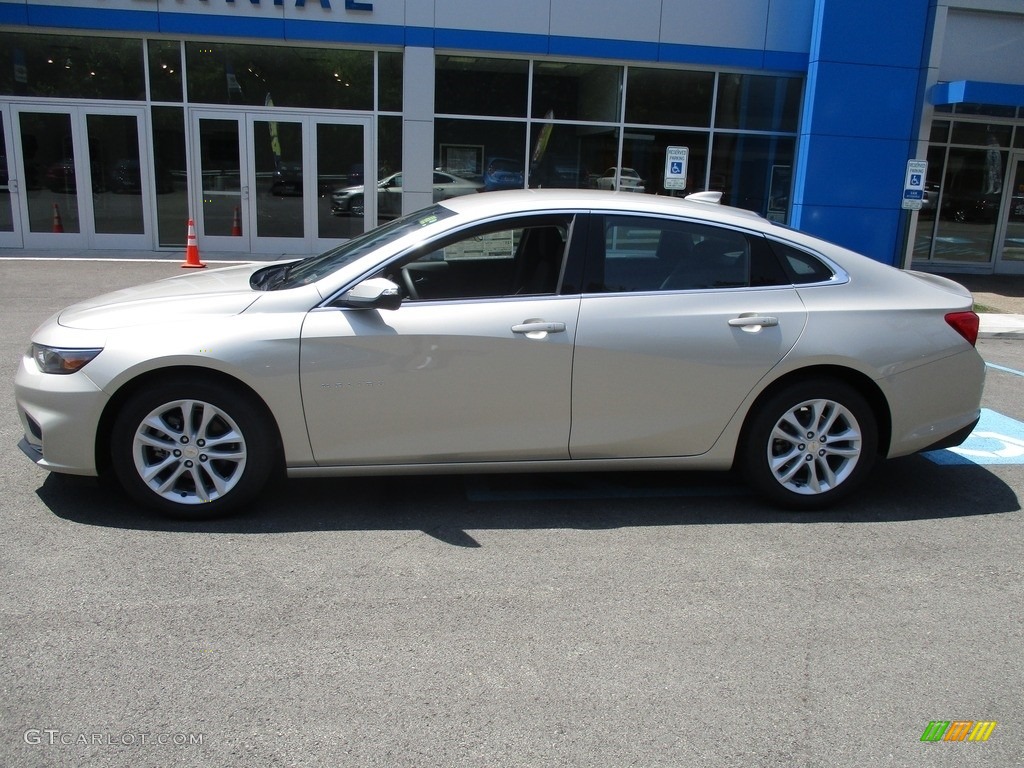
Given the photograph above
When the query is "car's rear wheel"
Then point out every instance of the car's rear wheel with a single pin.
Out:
(810, 444)
(192, 450)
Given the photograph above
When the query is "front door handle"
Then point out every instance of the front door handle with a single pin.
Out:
(538, 329)
(752, 322)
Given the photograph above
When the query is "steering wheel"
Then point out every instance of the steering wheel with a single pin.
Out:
(409, 284)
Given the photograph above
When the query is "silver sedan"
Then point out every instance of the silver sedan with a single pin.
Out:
(531, 331)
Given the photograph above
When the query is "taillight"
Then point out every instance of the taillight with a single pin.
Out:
(966, 324)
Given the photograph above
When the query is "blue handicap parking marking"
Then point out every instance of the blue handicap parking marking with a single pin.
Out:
(997, 439)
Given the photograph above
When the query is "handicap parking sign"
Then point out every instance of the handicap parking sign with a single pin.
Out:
(675, 167)
(913, 187)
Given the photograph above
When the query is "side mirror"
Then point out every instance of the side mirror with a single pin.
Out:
(375, 293)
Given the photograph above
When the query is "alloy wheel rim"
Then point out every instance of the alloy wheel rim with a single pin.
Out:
(814, 447)
(189, 452)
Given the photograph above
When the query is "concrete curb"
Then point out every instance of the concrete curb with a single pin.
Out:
(1001, 326)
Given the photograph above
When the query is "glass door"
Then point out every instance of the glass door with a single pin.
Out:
(10, 185)
(1010, 257)
(220, 157)
(83, 180)
(267, 180)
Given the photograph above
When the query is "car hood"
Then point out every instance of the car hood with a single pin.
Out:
(219, 292)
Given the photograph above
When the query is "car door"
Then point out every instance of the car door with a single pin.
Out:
(476, 364)
(679, 323)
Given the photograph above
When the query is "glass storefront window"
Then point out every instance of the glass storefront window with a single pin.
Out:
(971, 194)
(570, 156)
(940, 132)
(644, 151)
(72, 67)
(170, 175)
(981, 134)
(564, 91)
(490, 152)
(669, 97)
(165, 70)
(390, 79)
(389, 154)
(754, 172)
(988, 110)
(758, 102)
(469, 85)
(261, 75)
(115, 166)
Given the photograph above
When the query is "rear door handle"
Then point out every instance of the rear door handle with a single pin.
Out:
(752, 323)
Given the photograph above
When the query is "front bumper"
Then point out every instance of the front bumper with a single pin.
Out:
(60, 416)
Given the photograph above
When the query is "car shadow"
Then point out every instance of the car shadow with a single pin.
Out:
(447, 507)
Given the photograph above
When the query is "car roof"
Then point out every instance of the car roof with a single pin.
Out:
(541, 200)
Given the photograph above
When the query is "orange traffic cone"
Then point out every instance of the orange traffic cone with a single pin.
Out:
(236, 224)
(192, 249)
(58, 225)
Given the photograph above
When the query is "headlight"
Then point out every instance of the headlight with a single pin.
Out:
(60, 359)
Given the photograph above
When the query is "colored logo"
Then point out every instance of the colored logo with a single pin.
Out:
(958, 730)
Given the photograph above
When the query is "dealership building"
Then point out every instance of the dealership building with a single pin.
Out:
(893, 128)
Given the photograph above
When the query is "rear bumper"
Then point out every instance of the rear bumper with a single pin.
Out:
(937, 404)
(954, 439)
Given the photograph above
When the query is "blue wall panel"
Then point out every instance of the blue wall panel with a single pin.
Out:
(13, 13)
(861, 105)
(364, 34)
(92, 18)
(855, 172)
(881, 32)
(866, 230)
(882, 100)
(228, 26)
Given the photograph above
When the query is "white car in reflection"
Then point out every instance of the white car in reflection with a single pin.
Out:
(627, 179)
(349, 200)
(537, 330)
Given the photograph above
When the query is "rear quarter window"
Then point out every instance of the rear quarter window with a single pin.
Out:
(801, 266)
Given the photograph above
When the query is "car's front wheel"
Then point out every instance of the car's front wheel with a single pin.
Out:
(810, 444)
(192, 450)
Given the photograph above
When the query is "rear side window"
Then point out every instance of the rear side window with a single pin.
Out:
(802, 267)
(648, 254)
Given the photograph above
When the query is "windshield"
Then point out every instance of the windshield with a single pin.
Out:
(316, 267)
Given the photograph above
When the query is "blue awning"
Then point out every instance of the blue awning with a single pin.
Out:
(975, 92)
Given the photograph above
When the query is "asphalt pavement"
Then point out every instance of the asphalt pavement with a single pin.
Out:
(482, 622)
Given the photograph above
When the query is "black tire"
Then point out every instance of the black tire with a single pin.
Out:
(207, 463)
(810, 445)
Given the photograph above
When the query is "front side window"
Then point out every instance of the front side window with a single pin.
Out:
(519, 258)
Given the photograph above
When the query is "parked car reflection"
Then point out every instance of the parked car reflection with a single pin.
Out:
(503, 173)
(629, 180)
(350, 200)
